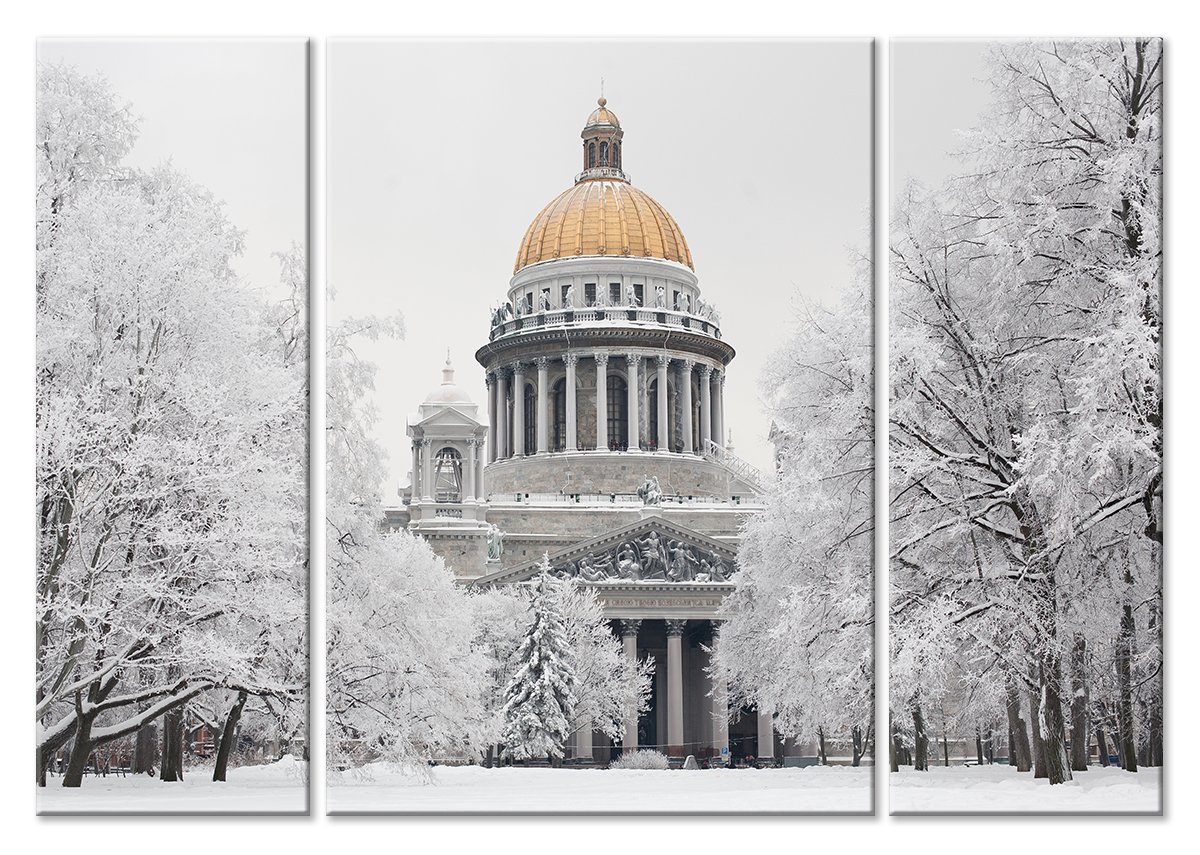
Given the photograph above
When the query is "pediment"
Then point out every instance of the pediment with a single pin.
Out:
(447, 417)
(651, 550)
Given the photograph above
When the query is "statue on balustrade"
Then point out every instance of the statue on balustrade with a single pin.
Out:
(495, 542)
(650, 492)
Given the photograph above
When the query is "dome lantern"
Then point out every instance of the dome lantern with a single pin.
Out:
(602, 144)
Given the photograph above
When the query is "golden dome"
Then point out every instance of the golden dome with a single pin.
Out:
(603, 216)
(603, 116)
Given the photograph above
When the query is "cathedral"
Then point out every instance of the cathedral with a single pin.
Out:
(602, 447)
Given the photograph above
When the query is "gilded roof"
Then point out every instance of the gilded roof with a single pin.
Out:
(603, 216)
(602, 116)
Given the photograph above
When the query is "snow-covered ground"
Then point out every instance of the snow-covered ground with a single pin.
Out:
(380, 789)
(274, 788)
(1002, 789)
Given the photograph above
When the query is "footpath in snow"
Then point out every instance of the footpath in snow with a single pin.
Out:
(382, 789)
(279, 787)
(1002, 789)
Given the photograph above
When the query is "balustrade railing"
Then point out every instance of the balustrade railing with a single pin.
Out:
(735, 465)
(595, 314)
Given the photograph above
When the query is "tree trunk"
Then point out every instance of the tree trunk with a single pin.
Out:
(920, 741)
(145, 751)
(1125, 726)
(945, 749)
(895, 750)
(82, 747)
(1018, 739)
(820, 746)
(172, 753)
(858, 744)
(1052, 724)
(978, 746)
(1037, 746)
(1101, 746)
(228, 737)
(1079, 706)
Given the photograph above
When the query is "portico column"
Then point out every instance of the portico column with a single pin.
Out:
(601, 401)
(415, 487)
(543, 429)
(501, 441)
(675, 687)
(720, 704)
(472, 451)
(632, 361)
(479, 476)
(629, 631)
(427, 470)
(766, 735)
(685, 379)
(583, 741)
(518, 439)
(571, 360)
(491, 387)
(718, 407)
(705, 406)
(664, 440)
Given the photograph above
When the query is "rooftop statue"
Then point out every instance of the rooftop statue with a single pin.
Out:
(650, 492)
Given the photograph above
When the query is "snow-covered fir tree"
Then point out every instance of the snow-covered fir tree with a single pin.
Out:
(540, 699)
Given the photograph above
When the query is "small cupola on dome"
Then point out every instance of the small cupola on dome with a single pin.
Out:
(449, 392)
(602, 144)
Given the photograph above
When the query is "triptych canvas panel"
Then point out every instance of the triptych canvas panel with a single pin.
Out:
(600, 420)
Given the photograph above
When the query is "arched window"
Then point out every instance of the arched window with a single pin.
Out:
(560, 414)
(530, 419)
(617, 155)
(618, 412)
(591, 155)
(604, 154)
(447, 476)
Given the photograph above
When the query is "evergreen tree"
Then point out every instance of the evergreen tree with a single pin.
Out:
(539, 701)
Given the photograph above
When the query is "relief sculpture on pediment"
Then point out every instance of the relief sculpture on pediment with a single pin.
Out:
(650, 557)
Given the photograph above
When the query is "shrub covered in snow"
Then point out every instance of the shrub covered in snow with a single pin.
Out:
(644, 759)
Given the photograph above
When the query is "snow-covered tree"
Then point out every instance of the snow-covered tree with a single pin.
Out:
(798, 629)
(541, 696)
(171, 438)
(1025, 424)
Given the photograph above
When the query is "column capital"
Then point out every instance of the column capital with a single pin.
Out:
(518, 367)
(503, 372)
(630, 627)
(663, 360)
(542, 362)
(705, 371)
(426, 442)
(473, 441)
(601, 358)
(675, 627)
(632, 359)
(687, 364)
(571, 359)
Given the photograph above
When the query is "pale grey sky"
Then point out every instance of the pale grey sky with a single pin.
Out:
(231, 114)
(938, 88)
(441, 153)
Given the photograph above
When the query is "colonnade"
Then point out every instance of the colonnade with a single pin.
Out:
(674, 702)
(506, 410)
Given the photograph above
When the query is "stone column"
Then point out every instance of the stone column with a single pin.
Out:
(721, 437)
(479, 493)
(518, 437)
(415, 489)
(705, 406)
(685, 381)
(571, 360)
(490, 380)
(601, 401)
(717, 415)
(543, 390)
(675, 687)
(501, 441)
(629, 631)
(468, 494)
(766, 735)
(583, 741)
(633, 360)
(427, 470)
(664, 439)
(720, 706)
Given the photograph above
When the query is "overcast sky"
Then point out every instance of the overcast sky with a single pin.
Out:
(441, 153)
(232, 115)
(938, 88)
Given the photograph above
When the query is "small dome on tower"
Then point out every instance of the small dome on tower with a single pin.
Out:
(449, 392)
(602, 115)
